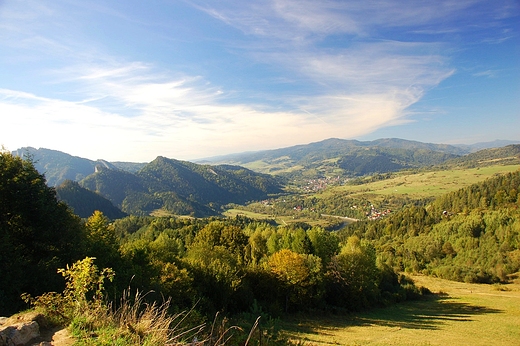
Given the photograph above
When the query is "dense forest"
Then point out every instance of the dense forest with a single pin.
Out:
(214, 264)
(472, 234)
(180, 187)
(84, 202)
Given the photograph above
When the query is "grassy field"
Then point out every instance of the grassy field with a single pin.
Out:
(426, 184)
(280, 219)
(457, 314)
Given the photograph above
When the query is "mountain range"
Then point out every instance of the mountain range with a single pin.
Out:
(201, 189)
(351, 157)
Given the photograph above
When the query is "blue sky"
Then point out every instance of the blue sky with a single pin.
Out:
(131, 80)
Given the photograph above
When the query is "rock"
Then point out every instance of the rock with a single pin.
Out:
(19, 333)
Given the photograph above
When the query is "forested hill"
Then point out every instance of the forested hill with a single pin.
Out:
(508, 155)
(331, 157)
(472, 234)
(180, 187)
(85, 202)
(59, 166)
(345, 157)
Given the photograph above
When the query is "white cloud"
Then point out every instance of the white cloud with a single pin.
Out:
(129, 109)
(183, 118)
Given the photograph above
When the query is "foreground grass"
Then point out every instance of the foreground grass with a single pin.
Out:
(457, 314)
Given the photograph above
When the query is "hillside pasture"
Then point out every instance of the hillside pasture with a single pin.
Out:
(425, 184)
(282, 219)
(456, 314)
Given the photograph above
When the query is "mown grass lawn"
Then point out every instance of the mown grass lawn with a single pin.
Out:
(457, 314)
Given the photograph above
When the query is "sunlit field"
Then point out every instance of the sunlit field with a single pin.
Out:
(427, 184)
(456, 314)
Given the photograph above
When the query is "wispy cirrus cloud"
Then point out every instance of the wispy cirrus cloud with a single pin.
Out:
(348, 68)
(359, 85)
(129, 105)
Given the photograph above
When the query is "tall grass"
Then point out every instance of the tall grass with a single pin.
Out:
(132, 321)
(138, 322)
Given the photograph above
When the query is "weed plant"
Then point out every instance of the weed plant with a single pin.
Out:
(134, 321)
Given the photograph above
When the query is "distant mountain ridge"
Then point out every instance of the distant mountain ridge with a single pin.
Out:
(509, 154)
(330, 156)
(59, 166)
(344, 157)
(178, 187)
(498, 143)
(201, 189)
(349, 157)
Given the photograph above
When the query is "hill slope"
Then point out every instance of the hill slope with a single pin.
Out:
(508, 155)
(344, 157)
(59, 166)
(84, 202)
(180, 187)
(471, 234)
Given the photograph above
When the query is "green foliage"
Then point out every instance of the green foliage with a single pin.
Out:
(468, 235)
(325, 244)
(133, 321)
(353, 277)
(38, 234)
(300, 277)
(84, 202)
(228, 264)
(84, 285)
(83, 296)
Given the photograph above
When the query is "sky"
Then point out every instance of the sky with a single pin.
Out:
(131, 80)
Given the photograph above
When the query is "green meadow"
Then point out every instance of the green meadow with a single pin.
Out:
(456, 314)
(425, 184)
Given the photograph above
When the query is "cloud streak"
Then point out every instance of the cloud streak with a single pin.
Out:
(353, 73)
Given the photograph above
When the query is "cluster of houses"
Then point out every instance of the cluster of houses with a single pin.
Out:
(374, 214)
(318, 184)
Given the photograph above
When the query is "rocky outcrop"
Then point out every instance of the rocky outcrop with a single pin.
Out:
(19, 333)
(32, 329)
(21, 329)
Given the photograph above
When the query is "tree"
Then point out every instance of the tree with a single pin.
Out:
(298, 275)
(353, 276)
(38, 234)
(324, 243)
(217, 275)
(102, 242)
(217, 233)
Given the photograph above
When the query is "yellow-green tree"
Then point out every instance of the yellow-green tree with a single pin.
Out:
(298, 274)
(102, 242)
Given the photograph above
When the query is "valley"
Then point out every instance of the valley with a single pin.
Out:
(361, 252)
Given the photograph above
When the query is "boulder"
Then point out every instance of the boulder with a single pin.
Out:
(20, 329)
(19, 333)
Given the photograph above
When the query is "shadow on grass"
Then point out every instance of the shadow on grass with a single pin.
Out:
(431, 312)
